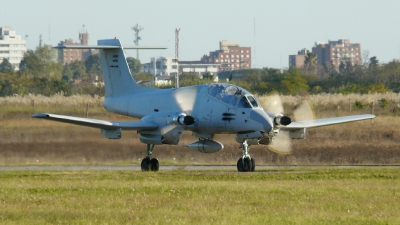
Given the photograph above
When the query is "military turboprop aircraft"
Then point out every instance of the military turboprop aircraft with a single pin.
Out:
(205, 110)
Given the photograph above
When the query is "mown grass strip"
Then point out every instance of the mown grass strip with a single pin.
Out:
(277, 196)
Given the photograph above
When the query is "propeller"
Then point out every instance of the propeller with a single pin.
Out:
(272, 103)
(186, 98)
(273, 106)
(304, 112)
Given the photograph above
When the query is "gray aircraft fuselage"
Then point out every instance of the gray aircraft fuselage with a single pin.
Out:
(212, 114)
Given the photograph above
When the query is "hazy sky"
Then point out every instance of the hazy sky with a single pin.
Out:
(274, 29)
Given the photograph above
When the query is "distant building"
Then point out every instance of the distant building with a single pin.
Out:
(12, 47)
(198, 67)
(161, 66)
(168, 66)
(298, 60)
(230, 56)
(337, 52)
(158, 81)
(70, 55)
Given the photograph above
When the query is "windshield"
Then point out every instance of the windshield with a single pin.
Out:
(244, 103)
(252, 101)
(229, 94)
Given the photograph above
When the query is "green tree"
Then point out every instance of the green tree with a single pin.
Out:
(143, 76)
(208, 76)
(67, 73)
(294, 83)
(93, 67)
(75, 70)
(373, 61)
(6, 66)
(358, 105)
(383, 103)
(42, 62)
(134, 65)
(311, 63)
(376, 88)
(189, 79)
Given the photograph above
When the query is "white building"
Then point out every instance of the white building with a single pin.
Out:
(12, 47)
(168, 66)
(161, 66)
(158, 81)
(198, 67)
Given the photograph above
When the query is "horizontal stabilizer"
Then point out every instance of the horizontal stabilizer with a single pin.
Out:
(103, 124)
(325, 122)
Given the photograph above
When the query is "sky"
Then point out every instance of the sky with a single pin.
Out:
(273, 29)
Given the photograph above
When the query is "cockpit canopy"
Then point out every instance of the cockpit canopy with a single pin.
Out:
(232, 95)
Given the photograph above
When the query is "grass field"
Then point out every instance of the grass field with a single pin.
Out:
(276, 196)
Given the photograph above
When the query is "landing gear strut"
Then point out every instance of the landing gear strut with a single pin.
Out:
(246, 163)
(148, 163)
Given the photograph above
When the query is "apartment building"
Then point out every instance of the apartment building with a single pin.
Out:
(230, 56)
(70, 55)
(298, 60)
(337, 52)
(12, 47)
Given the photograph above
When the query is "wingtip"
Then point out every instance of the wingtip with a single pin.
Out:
(40, 115)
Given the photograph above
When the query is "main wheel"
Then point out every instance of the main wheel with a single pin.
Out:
(146, 164)
(240, 165)
(154, 164)
(253, 165)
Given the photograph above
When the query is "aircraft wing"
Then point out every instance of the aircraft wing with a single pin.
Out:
(325, 122)
(103, 124)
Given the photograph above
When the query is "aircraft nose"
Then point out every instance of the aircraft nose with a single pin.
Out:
(260, 116)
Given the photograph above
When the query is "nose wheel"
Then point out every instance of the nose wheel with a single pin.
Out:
(246, 163)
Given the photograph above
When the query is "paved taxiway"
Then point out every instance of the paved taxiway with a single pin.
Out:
(189, 168)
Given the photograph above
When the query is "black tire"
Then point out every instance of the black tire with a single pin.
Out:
(145, 165)
(247, 165)
(253, 165)
(154, 165)
(240, 165)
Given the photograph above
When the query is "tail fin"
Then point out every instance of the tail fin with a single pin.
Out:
(117, 76)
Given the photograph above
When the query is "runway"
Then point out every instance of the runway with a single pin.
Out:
(175, 167)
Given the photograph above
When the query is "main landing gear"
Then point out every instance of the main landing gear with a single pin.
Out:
(150, 164)
(246, 163)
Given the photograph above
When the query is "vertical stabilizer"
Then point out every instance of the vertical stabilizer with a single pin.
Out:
(117, 76)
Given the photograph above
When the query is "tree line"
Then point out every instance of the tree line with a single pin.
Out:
(41, 72)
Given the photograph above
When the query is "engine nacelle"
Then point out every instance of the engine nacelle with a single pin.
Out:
(206, 146)
(280, 120)
(152, 139)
